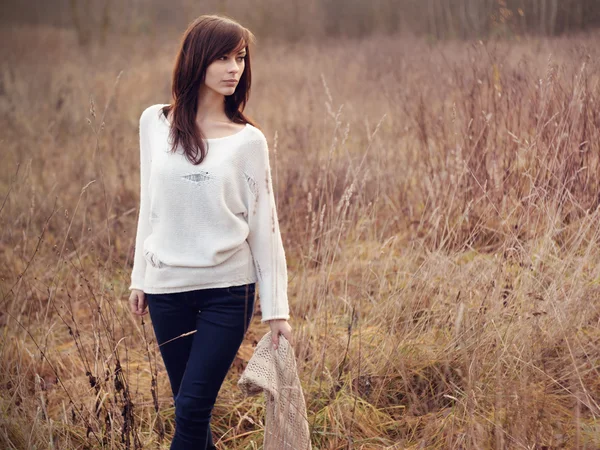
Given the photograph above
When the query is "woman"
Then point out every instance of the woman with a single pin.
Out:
(207, 229)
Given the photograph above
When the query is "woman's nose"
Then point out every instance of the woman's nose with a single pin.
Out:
(234, 68)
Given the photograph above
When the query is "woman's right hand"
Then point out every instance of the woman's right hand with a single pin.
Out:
(137, 302)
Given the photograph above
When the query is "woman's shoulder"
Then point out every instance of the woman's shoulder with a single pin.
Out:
(254, 150)
(254, 134)
(152, 112)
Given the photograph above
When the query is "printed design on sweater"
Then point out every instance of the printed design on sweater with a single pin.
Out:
(153, 260)
(197, 178)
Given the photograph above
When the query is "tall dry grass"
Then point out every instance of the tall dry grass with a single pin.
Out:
(439, 208)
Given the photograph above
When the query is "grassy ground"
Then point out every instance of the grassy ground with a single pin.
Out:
(439, 209)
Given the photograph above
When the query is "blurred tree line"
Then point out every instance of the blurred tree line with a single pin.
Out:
(478, 18)
(297, 19)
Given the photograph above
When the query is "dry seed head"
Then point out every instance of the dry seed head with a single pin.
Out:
(92, 108)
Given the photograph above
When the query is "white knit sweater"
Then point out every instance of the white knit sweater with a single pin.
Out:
(208, 225)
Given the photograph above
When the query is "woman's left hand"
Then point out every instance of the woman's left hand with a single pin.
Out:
(280, 326)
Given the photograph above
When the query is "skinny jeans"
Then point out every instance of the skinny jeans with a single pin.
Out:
(199, 333)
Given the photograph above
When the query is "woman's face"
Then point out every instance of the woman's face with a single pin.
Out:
(224, 73)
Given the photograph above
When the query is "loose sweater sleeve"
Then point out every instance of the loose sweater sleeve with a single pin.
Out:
(143, 225)
(264, 237)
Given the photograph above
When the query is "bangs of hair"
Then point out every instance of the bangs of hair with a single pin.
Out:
(233, 38)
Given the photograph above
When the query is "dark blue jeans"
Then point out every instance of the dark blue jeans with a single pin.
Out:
(198, 363)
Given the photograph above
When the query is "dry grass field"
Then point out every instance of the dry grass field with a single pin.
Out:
(439, 205)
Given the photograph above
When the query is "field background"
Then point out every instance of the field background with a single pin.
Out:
(437, 178)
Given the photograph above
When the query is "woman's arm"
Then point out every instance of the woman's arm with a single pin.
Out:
(264, 237)
(143, 226)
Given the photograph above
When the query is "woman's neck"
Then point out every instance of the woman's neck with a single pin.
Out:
(211, 106)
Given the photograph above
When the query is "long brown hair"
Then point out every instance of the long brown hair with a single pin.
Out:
(206, 39)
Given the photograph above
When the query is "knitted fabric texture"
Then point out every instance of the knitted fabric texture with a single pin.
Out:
(274, 372)
(210, 225)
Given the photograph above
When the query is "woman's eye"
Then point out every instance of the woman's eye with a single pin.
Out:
(224, 58)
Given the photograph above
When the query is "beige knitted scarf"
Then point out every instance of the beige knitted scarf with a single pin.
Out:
(274, 372)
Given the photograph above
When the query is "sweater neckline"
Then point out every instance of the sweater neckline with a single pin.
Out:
(218, 139)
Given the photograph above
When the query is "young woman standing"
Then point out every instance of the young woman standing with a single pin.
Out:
(207, 229)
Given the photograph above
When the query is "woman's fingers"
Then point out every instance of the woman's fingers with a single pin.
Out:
(137, 303)
(287, 332)
(283, 328)
(133, 303)
(142, 304)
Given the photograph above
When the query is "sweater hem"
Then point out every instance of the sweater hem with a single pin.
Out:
(193, 287)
